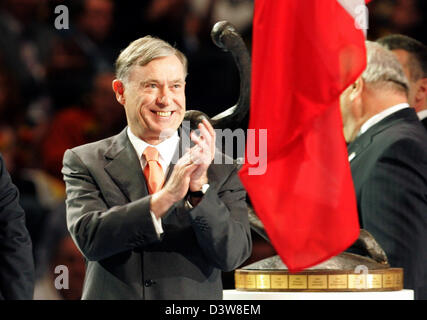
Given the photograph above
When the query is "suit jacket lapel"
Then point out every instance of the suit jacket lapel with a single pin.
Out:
(357, 146)
(124, 167)
(183, 144)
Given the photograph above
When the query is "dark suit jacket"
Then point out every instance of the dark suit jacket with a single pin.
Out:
(389, 171)
(424, 122)
(108, 217)
(16, 256)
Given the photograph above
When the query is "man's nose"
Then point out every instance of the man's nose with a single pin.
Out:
(163, 98)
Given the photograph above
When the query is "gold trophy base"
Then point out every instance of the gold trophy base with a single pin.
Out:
(389, 279)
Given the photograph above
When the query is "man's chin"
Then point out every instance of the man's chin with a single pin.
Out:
(166, 133)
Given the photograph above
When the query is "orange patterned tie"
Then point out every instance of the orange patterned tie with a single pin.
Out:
(153, 171)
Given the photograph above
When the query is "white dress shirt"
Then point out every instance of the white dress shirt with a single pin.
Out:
(422, 114)
(166, 151)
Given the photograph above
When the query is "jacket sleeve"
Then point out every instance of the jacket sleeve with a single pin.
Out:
(221, 224)
(100, 231)
(394, 206)
(16, 256)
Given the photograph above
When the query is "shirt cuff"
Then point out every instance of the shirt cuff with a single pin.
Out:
(157, 222)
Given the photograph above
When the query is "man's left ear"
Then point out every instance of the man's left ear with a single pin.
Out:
(421, 94)
(119, 90)
(357, 88)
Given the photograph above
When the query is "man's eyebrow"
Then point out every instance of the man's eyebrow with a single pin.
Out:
(149, 81)
(177, 81)
(157, 81)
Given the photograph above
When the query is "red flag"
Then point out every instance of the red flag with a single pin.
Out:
(305, 53)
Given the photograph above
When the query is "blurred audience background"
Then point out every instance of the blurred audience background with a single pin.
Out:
(55, 93)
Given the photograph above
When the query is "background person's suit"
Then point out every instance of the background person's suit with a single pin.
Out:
(108, 217)
(16, 256)
(424, 122)
(389, 169)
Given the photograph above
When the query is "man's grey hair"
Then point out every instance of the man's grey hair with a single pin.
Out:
(142, 51)
(383, 70)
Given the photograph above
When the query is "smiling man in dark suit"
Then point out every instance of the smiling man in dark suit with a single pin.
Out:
(388, 161)
(146, 236)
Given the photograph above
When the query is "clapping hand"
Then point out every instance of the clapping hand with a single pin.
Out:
(189, 173)
(202, 154)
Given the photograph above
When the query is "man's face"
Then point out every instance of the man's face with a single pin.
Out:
(154, 99)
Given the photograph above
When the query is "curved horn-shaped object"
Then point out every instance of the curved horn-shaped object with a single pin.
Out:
(367, 243)
(225, 36)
